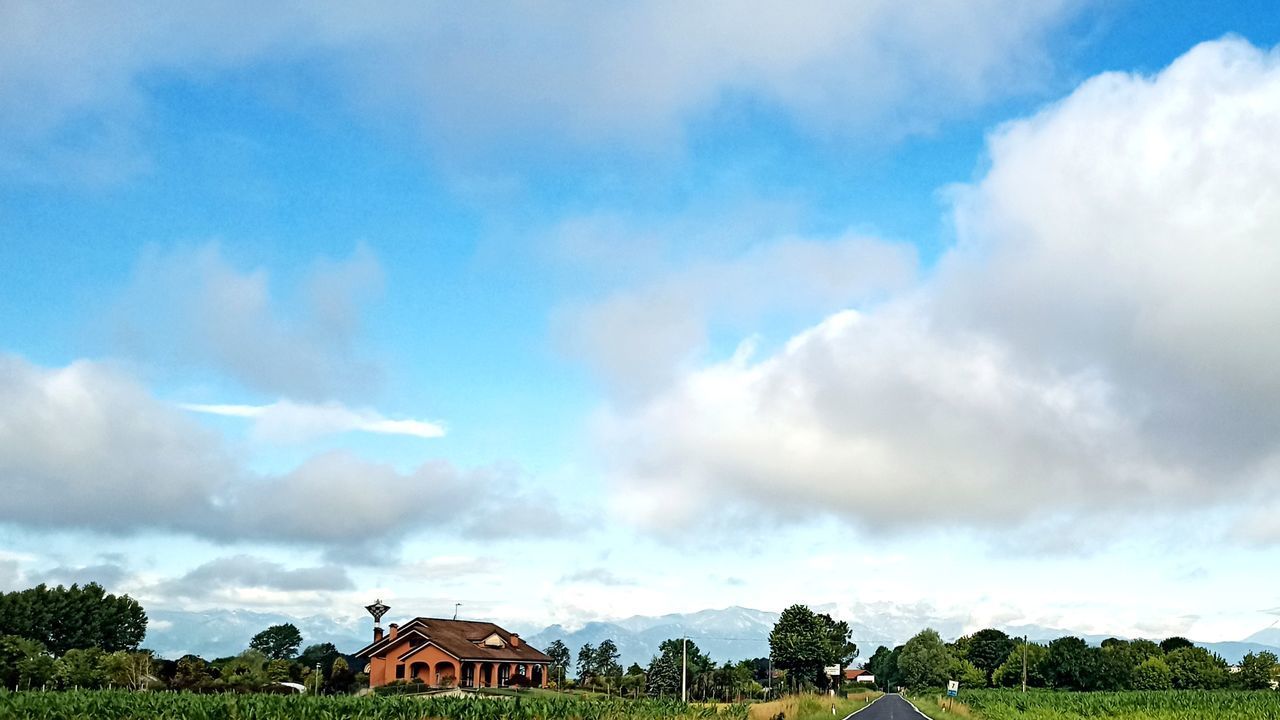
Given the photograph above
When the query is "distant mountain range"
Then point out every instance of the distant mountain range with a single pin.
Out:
(732, 633)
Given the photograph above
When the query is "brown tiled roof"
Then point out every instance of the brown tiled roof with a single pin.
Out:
(462, 639)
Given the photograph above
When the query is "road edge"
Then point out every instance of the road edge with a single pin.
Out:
(864, 707)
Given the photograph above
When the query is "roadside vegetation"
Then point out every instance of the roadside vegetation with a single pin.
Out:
(1147, 705)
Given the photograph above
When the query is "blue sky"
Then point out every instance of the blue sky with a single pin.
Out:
(435, 301)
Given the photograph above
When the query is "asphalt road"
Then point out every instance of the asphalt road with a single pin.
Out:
(889, 707)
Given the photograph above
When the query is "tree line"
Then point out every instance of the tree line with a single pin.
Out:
(83, 637)
(991, 658)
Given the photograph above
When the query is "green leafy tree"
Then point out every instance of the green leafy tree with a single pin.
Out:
(1194, 668)
(1116, 662)
(878, 665)
(803, 642)
(1152, 674)
(1168, 645)
(1257, 670)
(925, 661)
(1009, 674)
(67, 618)
(967, 674)
(987, 650)
(323, 654)
(605, 660)
(559, 654)
(278, 642)
(80, 669)
(1071, 664)
(634, 670)
(586, 662)
(246, 671)
(1141, 649)
(19, 662)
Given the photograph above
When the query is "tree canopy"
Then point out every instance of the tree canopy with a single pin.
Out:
(66, 618)
(804, 642)
(278, 642)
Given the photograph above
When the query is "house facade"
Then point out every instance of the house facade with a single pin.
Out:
(859, 675)
(449, 653)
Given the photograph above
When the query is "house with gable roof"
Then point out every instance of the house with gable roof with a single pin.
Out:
(444, 653)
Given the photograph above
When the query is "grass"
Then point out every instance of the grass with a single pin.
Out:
(811, 707)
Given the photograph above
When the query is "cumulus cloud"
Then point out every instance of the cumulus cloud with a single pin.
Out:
(73, 80)
(1099, 338)
(637, 338)
(191, 306)
(86, 447)
(289, 422)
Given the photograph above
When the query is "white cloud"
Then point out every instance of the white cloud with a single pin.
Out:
(1100, 339)
(86, 447)
(638, 338)
(244, 572)
(190, 306)
(289, 422)
(73, 80)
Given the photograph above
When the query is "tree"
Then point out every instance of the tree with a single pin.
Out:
(341, 679)
(1194, 668)
(192, 673)
(278, 642)
(1257, 670)
(132, 670)
(987, 650)
(605, 660)
(803, 642)
(80, 669)
(1168, 645)
(559, 654)
(323, 654)
(663, 676)
(925, 661)
(967, 674)
(878, 665)
(66, 618)
(21, 666)
(1071, 664)
(1152, 674)
(1009, 674)
(664, 669)
(586, 662)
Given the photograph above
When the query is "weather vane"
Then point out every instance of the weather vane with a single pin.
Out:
(377, 610)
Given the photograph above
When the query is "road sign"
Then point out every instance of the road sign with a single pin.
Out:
(832, 670)
(953, 688)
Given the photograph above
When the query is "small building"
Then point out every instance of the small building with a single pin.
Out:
(448, 653)
(859, 675)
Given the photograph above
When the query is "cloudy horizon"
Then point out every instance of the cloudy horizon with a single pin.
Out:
(573, 314)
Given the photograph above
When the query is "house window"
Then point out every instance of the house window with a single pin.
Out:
(400, 671)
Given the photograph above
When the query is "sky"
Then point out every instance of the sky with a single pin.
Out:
(569, 312)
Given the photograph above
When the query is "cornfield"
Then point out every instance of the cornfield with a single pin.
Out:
(124, 705)
(1161, 705)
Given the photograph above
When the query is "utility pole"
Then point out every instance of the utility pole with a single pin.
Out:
(455, 610)
(684, 669)
(1024, 663)
(318, 678)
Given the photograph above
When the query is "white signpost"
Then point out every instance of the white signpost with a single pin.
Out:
(953, 688)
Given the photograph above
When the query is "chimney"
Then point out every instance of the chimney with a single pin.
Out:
(377, 633)
(515, 639)
(395, 630)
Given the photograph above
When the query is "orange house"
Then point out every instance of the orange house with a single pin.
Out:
(446, 653)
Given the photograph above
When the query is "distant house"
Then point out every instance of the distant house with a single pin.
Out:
(859, 675)
(445, 653)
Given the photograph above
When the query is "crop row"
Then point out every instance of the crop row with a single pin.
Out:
(123, 705)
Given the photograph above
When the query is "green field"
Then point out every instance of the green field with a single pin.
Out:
(124, 705)
(1161, 705)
